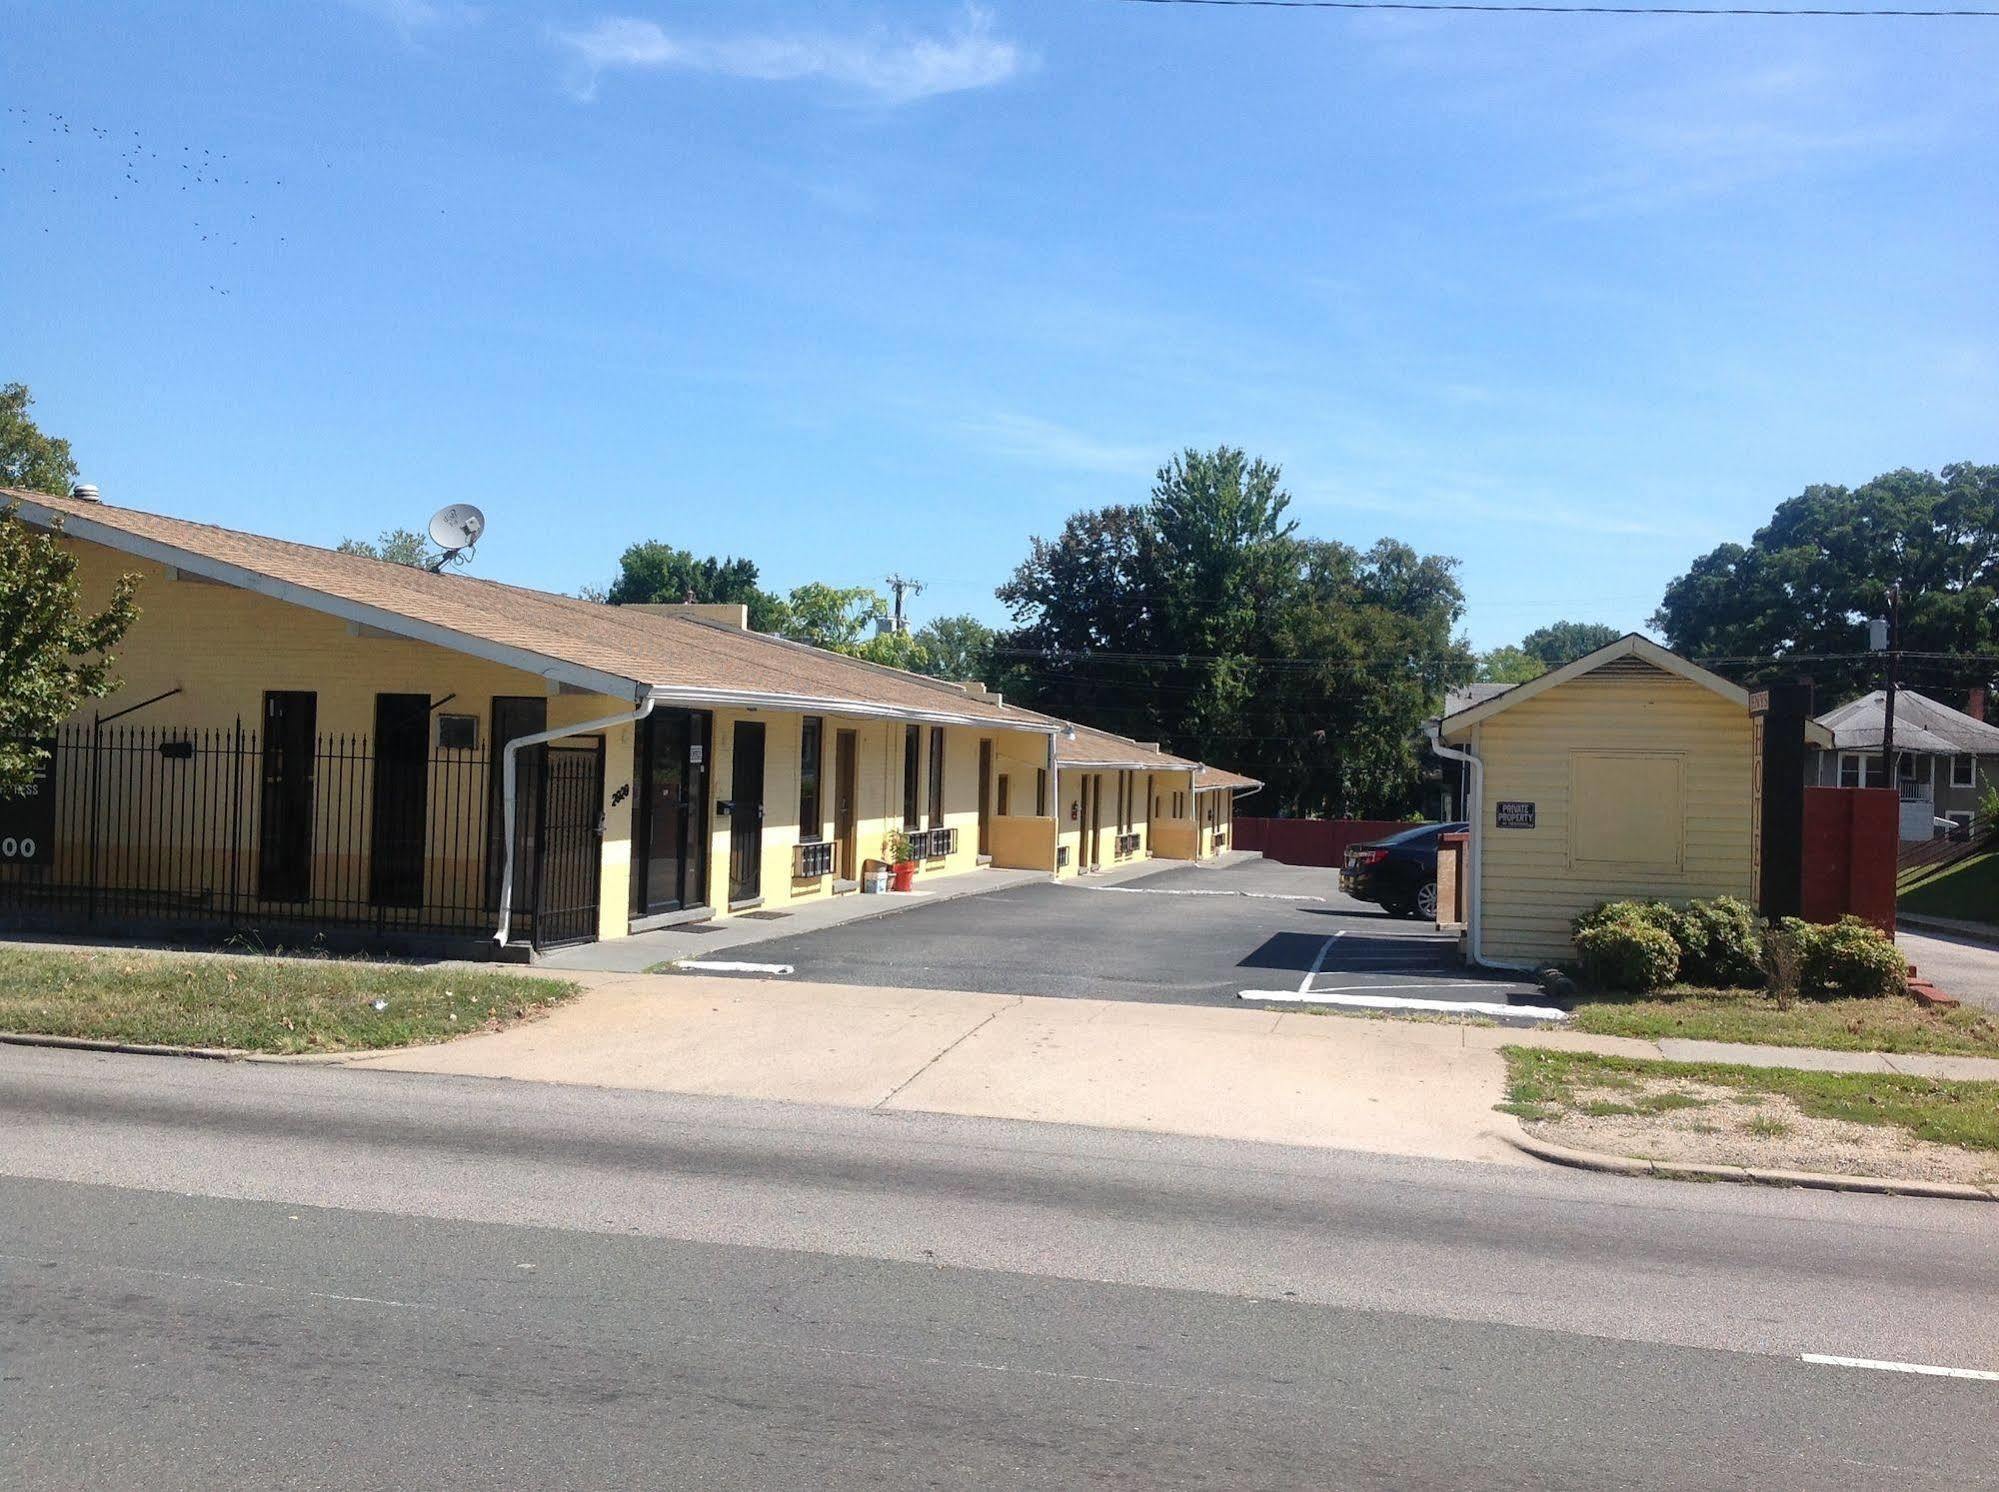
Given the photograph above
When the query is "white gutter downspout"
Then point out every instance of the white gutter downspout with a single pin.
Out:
(507, 775)
(1474, 862)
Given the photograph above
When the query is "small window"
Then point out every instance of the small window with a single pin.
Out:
(811, 826)
(912, 765)
(1005, 806)
(1041, 792)
(458, 732)
(1964, 771)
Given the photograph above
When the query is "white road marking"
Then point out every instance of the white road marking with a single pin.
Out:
(1393, 1002)
(1318, 963)
(724, 966)
(1165, 891)
(1899, 1367)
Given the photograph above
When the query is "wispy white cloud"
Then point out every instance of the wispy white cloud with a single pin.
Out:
(1045, 443)
(892, 69)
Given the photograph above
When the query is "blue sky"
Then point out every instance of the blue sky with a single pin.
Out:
(859, 287)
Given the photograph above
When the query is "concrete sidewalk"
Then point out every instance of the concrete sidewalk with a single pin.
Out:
(1394, 1087)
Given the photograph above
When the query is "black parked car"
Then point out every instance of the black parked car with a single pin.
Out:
(1399, 872)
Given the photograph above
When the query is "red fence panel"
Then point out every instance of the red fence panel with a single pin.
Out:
(1851, 838)
(1310, 841)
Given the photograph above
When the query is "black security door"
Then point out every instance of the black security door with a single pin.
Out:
(571, 848)
(672, 825)
(746, 813)
(284, 821)
(514, 716)
(400, 800)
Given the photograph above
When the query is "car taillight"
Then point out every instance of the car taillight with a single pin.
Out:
(1364, 858)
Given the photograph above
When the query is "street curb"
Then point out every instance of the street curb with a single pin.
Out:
(1627, 1165)
(132, 1048)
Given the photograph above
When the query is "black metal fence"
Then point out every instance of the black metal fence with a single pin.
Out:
(217, 828)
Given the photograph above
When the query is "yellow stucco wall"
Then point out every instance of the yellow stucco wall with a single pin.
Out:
(222, 648)
(879, 800)
(1565, 751)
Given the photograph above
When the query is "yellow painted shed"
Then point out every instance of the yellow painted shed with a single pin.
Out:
(1627, 773)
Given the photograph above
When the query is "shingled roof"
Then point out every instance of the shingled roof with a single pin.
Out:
(1921, 724)
(613, 650)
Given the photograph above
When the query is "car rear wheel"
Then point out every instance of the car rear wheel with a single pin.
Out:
(1426, 901)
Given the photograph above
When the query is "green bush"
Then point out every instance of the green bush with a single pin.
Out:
(1627, 953)
(1848, 960)
(1718, 942)
(1721, 943)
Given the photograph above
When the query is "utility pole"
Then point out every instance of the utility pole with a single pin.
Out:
(900, 584)
(1894, 641)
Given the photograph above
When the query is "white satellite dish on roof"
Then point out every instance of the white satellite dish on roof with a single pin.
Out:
(455, 529)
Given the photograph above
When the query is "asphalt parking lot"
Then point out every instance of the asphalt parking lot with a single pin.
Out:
(1254, 932)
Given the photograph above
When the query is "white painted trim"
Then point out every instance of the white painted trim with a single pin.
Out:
(729, 966)
(802, 704)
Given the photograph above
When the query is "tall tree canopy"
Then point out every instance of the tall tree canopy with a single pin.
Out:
(1202, 620)
(655, 572)
(1797, 598)
(1564, 642)
(28, 458)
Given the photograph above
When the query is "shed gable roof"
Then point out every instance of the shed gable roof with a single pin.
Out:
(1628, 657)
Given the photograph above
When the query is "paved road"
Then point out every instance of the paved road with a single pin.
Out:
(224, 1276)
(1190, 935)
(1960, 966)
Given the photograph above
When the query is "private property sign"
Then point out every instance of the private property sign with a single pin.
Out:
(28, 820)
(1512, 815)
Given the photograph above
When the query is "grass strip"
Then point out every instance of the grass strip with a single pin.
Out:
(1543, 1083)
(1892, 1023)
(258, 1004)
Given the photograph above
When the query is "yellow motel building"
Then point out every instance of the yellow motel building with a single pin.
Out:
(308, 740)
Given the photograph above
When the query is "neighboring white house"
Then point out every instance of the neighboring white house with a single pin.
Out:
(1945, 759)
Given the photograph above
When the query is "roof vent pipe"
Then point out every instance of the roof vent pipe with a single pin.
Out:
(85, 492)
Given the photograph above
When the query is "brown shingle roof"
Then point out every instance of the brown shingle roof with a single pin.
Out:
(1216, 777)
(614, 649)
(1101, 748)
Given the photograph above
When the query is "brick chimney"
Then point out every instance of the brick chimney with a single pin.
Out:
(1975, 705)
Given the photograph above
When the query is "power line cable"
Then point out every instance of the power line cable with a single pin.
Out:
(1583, 10)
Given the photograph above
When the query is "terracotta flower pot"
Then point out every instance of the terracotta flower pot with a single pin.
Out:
(903, 875)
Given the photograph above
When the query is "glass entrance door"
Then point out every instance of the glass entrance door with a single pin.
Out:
(673, 821)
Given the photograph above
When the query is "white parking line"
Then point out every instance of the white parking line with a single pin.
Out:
(724, 966)
(1319, 962)
(1165, 891)
(1899, 1367)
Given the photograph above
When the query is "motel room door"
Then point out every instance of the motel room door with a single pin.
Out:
(671, 870)
(399, 807)
(746, 812)
(846, 819)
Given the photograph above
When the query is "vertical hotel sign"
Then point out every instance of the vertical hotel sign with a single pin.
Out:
(28, 818)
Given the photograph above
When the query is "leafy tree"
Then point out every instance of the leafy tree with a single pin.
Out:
(399, 546)
(1204, 621)
(1799, 595)
(1509, 665)
(956, 647)
(28, 458)
(832, 616)
(653, 572)
(895, 649)
(1564, 642)
(54, 653)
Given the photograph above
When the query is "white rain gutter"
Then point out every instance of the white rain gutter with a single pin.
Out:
(1475, 861)
(507, 776)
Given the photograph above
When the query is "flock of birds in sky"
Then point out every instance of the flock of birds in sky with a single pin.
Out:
(79, 156)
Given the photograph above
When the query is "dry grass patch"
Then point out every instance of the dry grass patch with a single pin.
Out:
(258, 1004)
(1890, 1023)
(1861, 1124)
